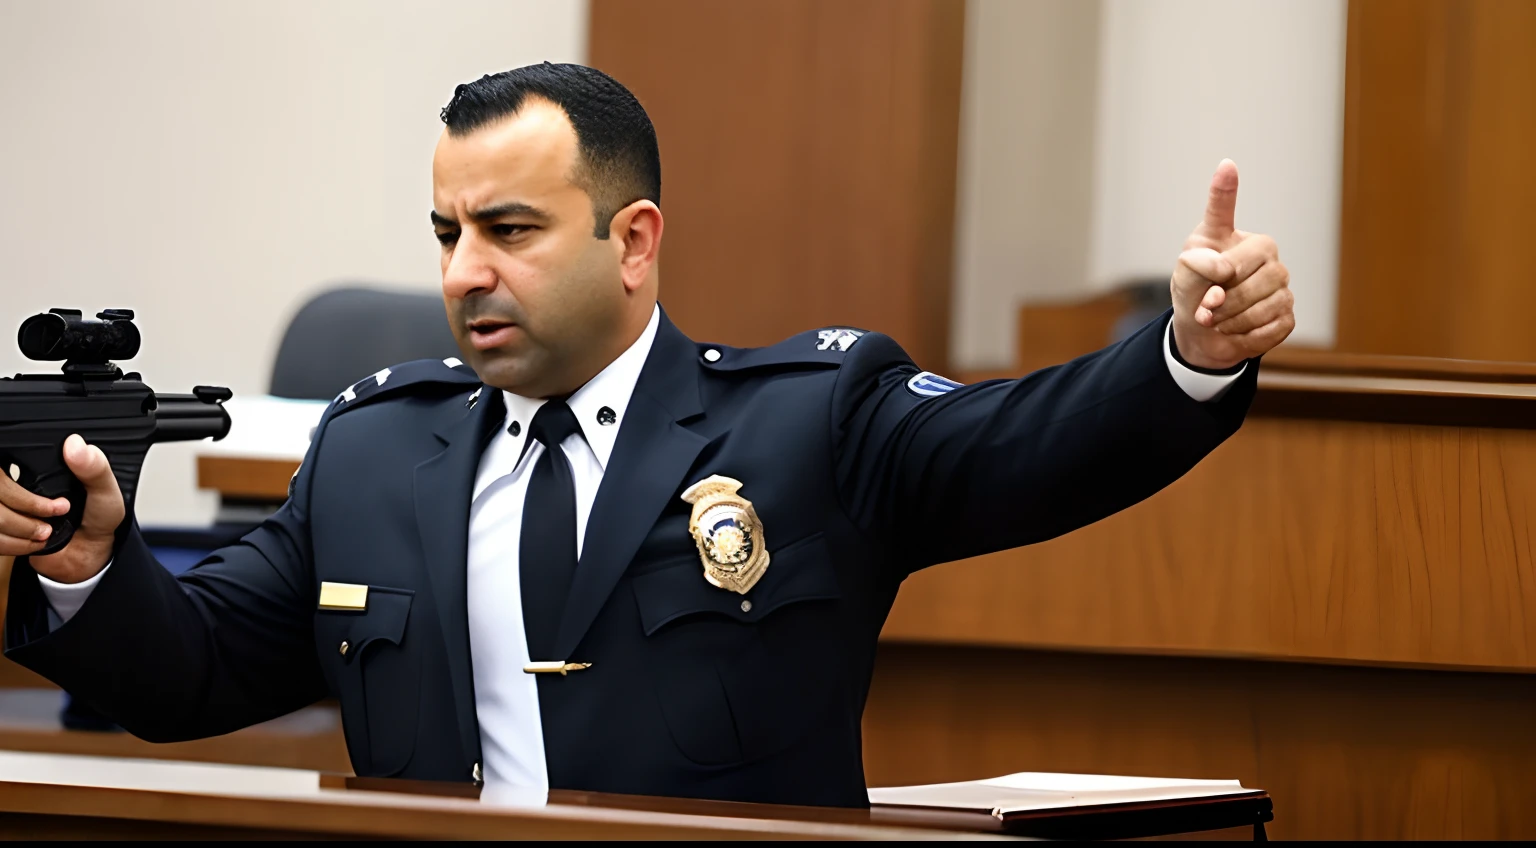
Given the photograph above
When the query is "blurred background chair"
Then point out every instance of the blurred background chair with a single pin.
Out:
(347, 333)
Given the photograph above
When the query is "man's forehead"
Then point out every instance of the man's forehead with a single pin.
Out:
(532, 150)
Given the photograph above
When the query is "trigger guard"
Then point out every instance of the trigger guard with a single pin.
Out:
(63, 531)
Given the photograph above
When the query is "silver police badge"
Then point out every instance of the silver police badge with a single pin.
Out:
(728, 532)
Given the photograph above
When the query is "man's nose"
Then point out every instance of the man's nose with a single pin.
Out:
(468, 270)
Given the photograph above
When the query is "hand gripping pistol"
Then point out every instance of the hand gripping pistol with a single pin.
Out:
(94, 398)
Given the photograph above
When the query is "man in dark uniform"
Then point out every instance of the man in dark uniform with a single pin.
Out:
(597, 554)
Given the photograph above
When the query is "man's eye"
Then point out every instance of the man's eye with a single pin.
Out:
(446, 239)
(509, 230)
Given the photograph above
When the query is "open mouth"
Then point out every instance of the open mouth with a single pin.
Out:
(487, 333)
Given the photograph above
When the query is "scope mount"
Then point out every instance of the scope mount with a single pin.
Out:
(87, 347)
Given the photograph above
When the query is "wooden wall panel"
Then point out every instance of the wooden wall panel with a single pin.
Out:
(1346, 753)
(808, 160)
(1336, 541)
(1439, 184)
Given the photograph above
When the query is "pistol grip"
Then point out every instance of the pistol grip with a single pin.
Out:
(44, 473)
(64, 525)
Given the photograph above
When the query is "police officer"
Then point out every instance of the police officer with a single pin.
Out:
(597, 554)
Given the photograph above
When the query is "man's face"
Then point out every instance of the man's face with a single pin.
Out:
(530, 292)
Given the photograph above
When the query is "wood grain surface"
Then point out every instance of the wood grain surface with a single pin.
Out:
(1346, 753)
(1301, 540)
(42, 810)
(246, 478)
(808, 156)
(1440, 119)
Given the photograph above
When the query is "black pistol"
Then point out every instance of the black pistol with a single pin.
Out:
(93, 397)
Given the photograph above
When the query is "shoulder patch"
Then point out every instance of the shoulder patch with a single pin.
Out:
(392, 381)
(928, 384)
(814, 348)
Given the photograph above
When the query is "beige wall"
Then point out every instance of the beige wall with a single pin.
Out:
(1090, 131)
(1184, 83)
(211, 164)
(1024, 204)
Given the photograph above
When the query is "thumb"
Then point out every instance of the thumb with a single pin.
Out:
(1221, 208)
(103, 499)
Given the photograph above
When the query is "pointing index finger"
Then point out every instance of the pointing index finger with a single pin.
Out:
(1221, 207)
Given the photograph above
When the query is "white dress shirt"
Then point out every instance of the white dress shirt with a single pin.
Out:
(506, 697)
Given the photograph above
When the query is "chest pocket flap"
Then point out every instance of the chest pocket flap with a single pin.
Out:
(384, 620)
(801, 571)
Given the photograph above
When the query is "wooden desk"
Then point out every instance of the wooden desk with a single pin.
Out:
(50, 795)
(1245, 812)
(57, 796)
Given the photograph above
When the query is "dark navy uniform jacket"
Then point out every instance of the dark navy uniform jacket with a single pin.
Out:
(859, 479)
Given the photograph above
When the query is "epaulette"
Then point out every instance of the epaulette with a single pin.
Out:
(395, 380)
(826, 347)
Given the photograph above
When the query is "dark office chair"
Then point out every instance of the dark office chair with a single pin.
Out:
(345, 334)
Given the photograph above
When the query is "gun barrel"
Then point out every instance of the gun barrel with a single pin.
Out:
(187, 418)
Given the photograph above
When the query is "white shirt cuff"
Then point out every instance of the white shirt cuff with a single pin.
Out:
(67, 598)
(1201, 387)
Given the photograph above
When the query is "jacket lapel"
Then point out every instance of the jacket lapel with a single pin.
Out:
(443, 486)
(652, 454)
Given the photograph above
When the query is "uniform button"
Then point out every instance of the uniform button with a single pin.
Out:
(606, 416)
(344, 647)
(475, 773)
(515, 429)
(746, 606)
(711, 355)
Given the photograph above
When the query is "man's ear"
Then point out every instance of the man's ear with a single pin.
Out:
(636, 231)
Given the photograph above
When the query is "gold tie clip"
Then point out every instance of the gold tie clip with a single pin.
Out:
(560, 666)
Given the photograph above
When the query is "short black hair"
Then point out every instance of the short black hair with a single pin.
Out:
(620, 161)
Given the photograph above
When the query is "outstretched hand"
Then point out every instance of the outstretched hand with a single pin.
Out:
(1231, 294)
(23, 518)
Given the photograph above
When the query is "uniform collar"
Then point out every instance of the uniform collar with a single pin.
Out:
(611, 389)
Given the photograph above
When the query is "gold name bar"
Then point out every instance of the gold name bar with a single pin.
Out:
(343, 596)
(554, 666)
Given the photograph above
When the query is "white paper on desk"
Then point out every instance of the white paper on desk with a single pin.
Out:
(1034, 790)
(266, 427)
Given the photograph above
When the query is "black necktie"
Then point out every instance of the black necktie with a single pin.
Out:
(548, 548)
